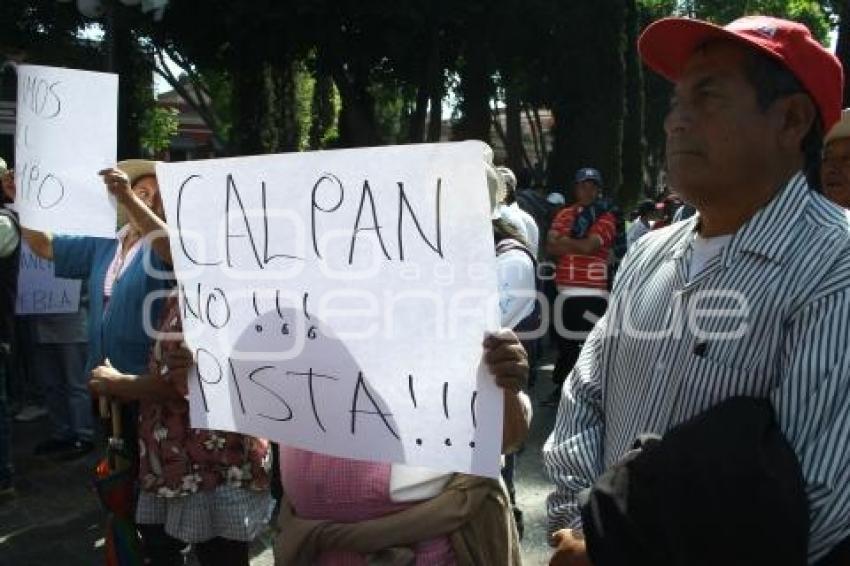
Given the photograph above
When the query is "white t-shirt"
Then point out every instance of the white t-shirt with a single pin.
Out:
(703, 250)
(515, 274)
(524, 223)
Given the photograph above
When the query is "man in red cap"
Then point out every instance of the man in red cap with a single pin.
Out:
(749, 297)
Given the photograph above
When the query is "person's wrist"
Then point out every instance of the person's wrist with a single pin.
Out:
(124, 194)
(102, 387)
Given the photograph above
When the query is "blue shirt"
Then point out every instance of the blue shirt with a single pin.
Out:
(769, 317)
(119, 333)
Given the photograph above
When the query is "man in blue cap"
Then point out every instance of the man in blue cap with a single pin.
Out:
(580, 240)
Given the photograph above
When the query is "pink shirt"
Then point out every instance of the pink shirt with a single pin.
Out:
(118, 265)
(342, 490)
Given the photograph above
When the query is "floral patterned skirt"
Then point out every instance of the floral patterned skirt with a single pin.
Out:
(229, 512)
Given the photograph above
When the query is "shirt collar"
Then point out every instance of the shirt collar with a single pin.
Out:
(122, 232)
(688, 229)
(766, 233)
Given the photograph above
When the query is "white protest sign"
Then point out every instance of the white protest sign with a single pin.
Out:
(66, 132)
(337, 301)
(40, 291)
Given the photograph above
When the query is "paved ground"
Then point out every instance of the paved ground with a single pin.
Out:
(55, 519)
(531, 481)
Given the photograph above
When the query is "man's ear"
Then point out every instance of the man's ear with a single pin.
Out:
(795, 115)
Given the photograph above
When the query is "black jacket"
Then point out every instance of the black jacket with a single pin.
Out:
(722, 488)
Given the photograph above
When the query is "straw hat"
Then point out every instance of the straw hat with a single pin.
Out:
(137, 168)
(841, 129)
(496, 188)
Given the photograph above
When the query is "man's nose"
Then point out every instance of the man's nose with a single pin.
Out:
(678, 119)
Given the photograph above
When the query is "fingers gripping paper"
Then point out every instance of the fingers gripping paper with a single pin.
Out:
(337, 301)
(65, 133)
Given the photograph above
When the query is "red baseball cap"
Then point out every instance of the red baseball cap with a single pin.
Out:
(666, 45)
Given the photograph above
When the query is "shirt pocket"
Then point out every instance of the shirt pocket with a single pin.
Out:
(706, 381)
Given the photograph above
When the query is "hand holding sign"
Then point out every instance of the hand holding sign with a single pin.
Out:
(507, 360)
(7, 181)
(66, 130)
(337, 301)
(117, 182)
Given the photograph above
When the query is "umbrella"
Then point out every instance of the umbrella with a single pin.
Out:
(115, 484)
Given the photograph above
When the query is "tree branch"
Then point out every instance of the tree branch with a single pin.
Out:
(498, 126)
(196, 101)
(503, 136)
(534, 138)
(544, 151)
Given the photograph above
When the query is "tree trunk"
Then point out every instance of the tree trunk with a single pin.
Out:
(255, 107)
(357, 122)
(589, 106)
(513, 129)
(657, 92)
(497, 125)
(124, 59)
(536, 136)
(633, 141)
(416, 131)
(476, 89)
(435, 119)
(322, 109)
(430, 85)
(435, 98)
(544, 147)
(289, 132)
(656, 95)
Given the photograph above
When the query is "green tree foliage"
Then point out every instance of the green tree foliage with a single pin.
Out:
(304, 84)
(810, 12)
(286, 75)
(158, 127)
(324, 109)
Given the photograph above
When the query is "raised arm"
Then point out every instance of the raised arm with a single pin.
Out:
(140, 214)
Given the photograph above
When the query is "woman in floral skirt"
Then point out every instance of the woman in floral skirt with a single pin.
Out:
(208, 489)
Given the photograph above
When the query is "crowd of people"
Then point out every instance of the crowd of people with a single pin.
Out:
(702, 374)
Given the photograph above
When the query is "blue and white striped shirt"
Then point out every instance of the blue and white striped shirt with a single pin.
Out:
(772, 316)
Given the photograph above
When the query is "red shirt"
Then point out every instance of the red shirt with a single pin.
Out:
(585, 270)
